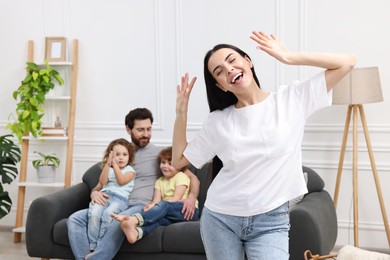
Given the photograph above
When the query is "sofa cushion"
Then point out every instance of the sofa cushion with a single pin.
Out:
(151, 243)
(60, 233)
(183, 237)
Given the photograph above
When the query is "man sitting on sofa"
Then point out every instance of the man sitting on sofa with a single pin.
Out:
(139, 126)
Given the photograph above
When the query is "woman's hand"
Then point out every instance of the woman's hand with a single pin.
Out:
(183, 94)
(271, 45)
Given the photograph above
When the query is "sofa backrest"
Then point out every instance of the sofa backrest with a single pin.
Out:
(91, 176)
(205, 177)
(314, 181)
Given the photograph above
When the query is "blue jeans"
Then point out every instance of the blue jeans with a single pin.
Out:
(162, 214)
(107, 246)
(260, 237)
(99, 217)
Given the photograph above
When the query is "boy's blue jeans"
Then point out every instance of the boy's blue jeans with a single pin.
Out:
(99, 217)
(162, 214)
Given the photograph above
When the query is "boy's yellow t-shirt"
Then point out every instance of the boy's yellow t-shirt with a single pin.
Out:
(168, 187)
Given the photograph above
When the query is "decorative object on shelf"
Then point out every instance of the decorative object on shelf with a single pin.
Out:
(55, 131)
(31, 96)
(46, 167)
(55, 49)
(57, 123)
(9, 157)
(360, 86)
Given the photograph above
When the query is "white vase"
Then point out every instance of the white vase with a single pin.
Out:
(46, 174)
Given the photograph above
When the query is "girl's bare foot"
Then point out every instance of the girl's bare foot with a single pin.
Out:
(120, 218)
(129, 226)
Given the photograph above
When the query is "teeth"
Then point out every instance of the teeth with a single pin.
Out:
(235, 78)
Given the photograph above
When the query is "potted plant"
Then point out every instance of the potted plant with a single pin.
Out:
(46, 167)
(30, 97)
(9, 157)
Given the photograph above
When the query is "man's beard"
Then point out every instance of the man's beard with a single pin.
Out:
(142, 142)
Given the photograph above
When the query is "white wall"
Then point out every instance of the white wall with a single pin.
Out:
(132, 54)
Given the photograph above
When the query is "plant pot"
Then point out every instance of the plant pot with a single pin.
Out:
(46, 174)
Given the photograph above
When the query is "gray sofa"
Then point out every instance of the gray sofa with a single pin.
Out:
(313, 224)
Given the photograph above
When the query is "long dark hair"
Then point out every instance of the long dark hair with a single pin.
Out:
(218, 99)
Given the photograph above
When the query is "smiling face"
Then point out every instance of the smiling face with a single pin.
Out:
(231, 71)
(141, 132)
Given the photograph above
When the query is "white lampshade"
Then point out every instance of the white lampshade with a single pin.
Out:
(359, 86)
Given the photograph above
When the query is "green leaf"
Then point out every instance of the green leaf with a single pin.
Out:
(33, 101)
(27, 79)
(5, 204)
(25, 114)
(35, 76)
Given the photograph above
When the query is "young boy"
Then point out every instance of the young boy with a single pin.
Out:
(166, 207)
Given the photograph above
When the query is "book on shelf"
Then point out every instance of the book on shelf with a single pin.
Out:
(55, 131)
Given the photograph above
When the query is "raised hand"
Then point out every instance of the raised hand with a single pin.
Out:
(271, 45)
(183, 94)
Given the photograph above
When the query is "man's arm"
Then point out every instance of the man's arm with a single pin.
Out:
(189, 203)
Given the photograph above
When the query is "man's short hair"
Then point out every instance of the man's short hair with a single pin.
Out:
(137, 114)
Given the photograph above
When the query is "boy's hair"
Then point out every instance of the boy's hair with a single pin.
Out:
(123, 142)
(166, 154)
(217, 98)
(137, 114)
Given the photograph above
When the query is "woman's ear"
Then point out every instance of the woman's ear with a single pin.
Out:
(250, 61)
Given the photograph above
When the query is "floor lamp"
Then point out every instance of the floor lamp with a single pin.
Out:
(360, 86)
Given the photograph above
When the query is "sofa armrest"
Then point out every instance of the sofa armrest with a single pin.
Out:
(313, 225)
(44, 212)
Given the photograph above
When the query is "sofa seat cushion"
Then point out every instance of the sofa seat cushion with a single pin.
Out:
(183, 237)
(151, 243)
(60, 233)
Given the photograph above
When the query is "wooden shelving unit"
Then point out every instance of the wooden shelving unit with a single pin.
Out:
(69, 139)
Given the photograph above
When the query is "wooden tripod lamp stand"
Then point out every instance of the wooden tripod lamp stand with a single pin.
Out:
(360, 86)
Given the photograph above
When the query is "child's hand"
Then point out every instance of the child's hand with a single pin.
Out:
(149, 206)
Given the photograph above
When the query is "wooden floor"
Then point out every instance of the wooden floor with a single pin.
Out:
(10, 250)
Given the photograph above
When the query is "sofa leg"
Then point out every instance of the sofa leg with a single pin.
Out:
(45, 258)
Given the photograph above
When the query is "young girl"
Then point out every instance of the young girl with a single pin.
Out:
(117, 181)
(257, 136)
(167, 205)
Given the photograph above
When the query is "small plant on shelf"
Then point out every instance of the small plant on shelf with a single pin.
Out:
(46, 167)
(9, 157)
(46, 160)
(30, 97)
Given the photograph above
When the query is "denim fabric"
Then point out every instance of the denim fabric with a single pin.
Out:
(99, 217)
(260, 237)
(162, 214)
(107, 246)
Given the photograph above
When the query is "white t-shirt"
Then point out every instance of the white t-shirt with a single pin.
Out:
(260, 147)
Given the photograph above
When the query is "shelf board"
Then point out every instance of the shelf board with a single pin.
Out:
(60, 63)
(57, 97)
(36, 184)
(19, 230)
(46, 138)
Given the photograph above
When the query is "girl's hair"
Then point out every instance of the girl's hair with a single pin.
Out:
(123, 142)
(166, 154)
(218, 99)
